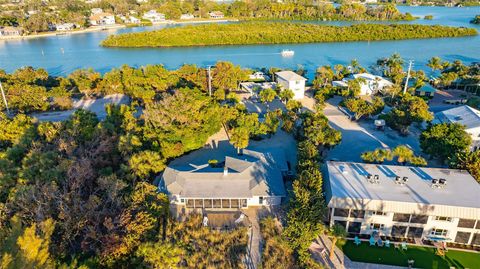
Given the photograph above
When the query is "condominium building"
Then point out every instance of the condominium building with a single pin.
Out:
(433, 204)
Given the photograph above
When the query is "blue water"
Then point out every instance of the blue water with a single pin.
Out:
(83, 50)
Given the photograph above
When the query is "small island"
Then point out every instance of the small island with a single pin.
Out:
(247, 33)
(476, 20)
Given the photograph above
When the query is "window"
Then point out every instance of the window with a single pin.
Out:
(476, 239)
(182, 200)
(466, 223)
(339, 212)
(377, 226)
(260, 200)
(415, 232)
(399, 231)
(358, 214)
(422, 219)
(401, 217)
(462, 237)
(440, 218)
(354, 227)
(341, 223)
(378, 213)
(243, 202)
(439, 232)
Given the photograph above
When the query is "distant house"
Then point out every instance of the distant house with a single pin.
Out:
(292, 81)
(257, 76)
(236, 181)
(154, 16)
(96, 11)
(216, 15)
(65, 27)
(465, 115)
(426, 90)
(11, 31)
(371, 85)
(102, 19)
(130, 19)
(187, 17)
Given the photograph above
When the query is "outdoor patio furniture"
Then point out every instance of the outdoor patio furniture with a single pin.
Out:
(404, 246)
(387, 243)
(380, 242)
(357, 241)
(372, 241)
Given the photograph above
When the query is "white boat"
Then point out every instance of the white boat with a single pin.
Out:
(287, 53)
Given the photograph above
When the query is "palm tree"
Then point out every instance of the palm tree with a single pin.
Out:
(403, 153)
(435, 63)
(336, 232)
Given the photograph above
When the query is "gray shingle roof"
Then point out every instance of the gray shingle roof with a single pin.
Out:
(252, 174)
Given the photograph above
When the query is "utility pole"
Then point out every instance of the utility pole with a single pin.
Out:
(410, 63)
(209, 81)
(4, 99)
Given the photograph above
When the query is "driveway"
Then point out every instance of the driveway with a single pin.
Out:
(358, 137)
(95, 105)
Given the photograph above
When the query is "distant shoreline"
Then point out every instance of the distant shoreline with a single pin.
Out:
(110, 27)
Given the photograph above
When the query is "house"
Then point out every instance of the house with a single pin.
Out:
(292, 81)
(96, 11)
(187, 17)
(134, 20)
(257, 76)
(426, 90)
(216, 15)
(129, 19)
(11, 31)
(234, 182)
(65, 27)
(154, 16)
(465, 115)
(370, 84)
(432, 204)
(255, 87)
(102, 19)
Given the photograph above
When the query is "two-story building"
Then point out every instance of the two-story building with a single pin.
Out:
(435, 204)
(292, 81)
(102, 19)
(154, 16)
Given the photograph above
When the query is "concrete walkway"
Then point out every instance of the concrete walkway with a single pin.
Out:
(320, 250)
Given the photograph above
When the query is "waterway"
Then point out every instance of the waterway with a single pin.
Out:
(60, 55)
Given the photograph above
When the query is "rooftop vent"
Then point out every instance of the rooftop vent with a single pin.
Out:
(374, 179)
(439, 183)
(401, 181)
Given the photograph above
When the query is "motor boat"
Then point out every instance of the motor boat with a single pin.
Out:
(287, 53)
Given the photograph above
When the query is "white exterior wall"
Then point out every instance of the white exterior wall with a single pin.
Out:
(254, 201)
(297, 87)
(387, 220)
(108, 20)
(475, 134)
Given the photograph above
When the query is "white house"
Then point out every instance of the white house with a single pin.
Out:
(187, 17)
(432, 204)
(292, 81)
(371, 84)
(465, 115)
(235, 181)
(99, 19)
(154, 16)
(65, 27)
(96, 11)
(11, 31)
(216, 15)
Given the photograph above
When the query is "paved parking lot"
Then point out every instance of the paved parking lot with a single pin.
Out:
(358, 137)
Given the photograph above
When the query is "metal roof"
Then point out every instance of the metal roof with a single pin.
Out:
(464, 115)
(290, 76)
(251, 174)
(348, 187)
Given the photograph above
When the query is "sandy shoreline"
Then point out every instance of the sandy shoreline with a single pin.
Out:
(110, 27)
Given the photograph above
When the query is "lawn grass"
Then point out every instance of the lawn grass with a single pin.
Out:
(424, 256)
